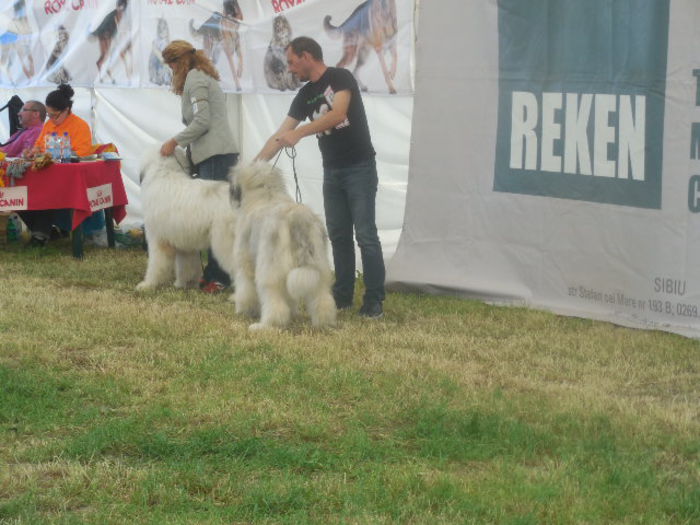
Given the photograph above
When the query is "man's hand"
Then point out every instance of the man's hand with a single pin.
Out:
(168, 148)
(273, 144)
(289, 138)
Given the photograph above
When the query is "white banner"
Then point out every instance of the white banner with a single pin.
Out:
(13, 198)
(554, 158)
(118, 42)
(100, 197)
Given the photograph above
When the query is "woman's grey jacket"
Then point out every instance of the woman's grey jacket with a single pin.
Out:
(204, 113)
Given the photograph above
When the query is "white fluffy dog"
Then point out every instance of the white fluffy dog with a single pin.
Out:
(183, 216)
(280, 253)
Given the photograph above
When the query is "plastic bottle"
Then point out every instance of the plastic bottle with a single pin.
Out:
(12, 228)
(57, 147)
(53, 146)
(65, 147)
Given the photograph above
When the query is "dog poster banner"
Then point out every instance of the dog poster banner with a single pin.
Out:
(18, 44)
(550, 162)
(87, 43)
(217, 27)
(12, 199)
(373, 39)
(118, 42)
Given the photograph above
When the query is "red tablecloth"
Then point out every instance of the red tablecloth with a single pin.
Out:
(84, 187)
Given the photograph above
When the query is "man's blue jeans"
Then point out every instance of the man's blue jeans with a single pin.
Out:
(349, 196)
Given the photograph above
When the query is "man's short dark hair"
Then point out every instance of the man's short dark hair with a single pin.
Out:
(304, 43)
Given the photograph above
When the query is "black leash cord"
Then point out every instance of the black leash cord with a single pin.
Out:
(292, 154)
(279, 153)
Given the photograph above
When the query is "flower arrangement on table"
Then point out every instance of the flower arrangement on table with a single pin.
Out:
(39, 161)
(14, 170)
(3, 171)
(36, 160)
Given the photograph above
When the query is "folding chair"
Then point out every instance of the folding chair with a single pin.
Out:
(14, 106)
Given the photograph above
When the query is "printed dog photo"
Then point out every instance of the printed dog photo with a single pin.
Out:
(59, 74)
(276, 74)
(220, 31)
(106, 33)
(371, 26)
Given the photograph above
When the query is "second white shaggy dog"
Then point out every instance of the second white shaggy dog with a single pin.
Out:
(183, 216)
(280, 253)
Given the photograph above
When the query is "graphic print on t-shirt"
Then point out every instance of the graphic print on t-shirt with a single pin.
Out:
(322, 109)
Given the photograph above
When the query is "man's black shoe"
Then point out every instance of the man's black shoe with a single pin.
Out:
(372, 310)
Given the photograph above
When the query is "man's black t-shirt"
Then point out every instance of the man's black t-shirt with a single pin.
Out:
(349, 142)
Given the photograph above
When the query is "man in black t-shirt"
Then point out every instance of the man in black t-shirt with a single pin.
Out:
(332, 102)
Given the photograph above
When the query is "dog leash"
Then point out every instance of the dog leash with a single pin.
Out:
(292, 154)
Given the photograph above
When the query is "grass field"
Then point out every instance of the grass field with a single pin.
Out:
(118, 407)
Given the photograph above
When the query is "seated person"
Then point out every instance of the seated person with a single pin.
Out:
(31, 118)
(59, 104)
(61, 118)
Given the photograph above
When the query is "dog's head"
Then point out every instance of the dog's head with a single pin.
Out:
(281, 30)
(232, 9)
(251, 180)
(62, 37)
(163, 31)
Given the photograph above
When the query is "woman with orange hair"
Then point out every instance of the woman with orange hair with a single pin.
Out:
(207, 135)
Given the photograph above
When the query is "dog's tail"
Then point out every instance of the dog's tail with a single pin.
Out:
(309, 255)
(302, 282)
(331, 30)
(195, 32)
(91, 34)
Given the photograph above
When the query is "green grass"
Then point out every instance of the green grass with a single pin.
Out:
(160, 407)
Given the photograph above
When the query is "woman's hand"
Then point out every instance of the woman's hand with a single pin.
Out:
(30, 153)
(168, 148)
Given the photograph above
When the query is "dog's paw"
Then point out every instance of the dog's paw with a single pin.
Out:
(245, 310)
(259, 327)
(144, 285)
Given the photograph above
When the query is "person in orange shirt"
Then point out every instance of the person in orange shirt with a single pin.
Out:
(45, 224)
(58, 108)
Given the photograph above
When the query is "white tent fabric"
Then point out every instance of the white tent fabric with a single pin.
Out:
(554, 158)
